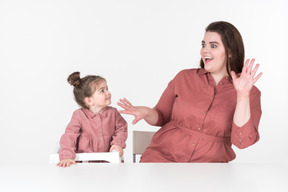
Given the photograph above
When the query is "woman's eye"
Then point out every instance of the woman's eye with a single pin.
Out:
(203, 45)
(213, 46)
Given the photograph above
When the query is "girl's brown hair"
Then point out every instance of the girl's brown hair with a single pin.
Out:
(233, 44)
(84, 87)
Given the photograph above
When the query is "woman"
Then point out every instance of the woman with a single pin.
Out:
(204, 111)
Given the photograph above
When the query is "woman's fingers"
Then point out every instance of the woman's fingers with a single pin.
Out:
(233, 75)
(257, 77)
(245, 66)
(126, 101)
(249, 69)
(126, 112)
(254, 70)
(136, 120)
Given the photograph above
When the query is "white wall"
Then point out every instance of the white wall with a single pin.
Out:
(138, 46)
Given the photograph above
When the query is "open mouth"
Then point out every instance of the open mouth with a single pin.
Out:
(208, 59)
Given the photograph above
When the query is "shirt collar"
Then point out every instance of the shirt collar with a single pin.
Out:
(202, 71)
(102, 113)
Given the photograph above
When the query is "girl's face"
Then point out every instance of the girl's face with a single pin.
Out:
(213, 54)
(101, 97)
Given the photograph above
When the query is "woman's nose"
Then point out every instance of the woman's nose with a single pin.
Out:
(205, 50)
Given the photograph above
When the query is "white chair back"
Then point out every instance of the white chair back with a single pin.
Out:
(111, 157)
(141, 140)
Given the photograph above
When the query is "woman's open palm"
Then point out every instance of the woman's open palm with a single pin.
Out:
(244, 83)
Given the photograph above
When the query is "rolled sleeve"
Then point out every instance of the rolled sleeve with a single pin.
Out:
(68, 141)
(246, 135)
(120, 135)
(165, 104)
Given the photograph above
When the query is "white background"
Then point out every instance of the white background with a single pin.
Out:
(138, 46)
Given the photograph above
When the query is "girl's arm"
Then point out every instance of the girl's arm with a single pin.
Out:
(68, 141)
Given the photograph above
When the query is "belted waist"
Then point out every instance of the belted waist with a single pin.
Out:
(201, 135)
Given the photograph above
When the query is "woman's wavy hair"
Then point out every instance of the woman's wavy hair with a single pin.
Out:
(233, 44)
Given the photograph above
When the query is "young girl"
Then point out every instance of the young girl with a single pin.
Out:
(95, 127)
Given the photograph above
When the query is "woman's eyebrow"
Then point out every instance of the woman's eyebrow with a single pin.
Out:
(213, 42)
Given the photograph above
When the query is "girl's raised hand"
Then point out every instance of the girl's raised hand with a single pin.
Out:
(66, 163)
(137, 111)
(247, 79)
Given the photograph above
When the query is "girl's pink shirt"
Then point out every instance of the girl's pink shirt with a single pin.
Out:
(197, 120)
(88, 132)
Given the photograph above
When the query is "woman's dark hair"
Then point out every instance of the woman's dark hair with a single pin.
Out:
(84, 87)
(233, 44)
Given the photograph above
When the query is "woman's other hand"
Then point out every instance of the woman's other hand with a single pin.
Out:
(137, 111)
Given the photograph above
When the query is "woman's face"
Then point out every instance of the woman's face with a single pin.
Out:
(213, 54)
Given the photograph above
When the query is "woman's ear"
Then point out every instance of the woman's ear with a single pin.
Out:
(229, 54)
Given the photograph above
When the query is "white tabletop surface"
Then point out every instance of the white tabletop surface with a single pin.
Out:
(145, 177)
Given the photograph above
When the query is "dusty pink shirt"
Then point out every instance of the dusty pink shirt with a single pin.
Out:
(88, 132)
(197, 120)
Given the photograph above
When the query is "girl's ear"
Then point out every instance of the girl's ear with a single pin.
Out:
(88, 101)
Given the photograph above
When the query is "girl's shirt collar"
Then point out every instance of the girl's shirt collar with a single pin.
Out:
(101, 113)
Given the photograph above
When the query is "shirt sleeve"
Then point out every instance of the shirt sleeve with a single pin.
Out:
(247, 135)
(120, 135)
(68, 141)
(165, 104)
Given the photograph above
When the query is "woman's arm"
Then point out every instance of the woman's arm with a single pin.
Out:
(243, 86)
(248, 108)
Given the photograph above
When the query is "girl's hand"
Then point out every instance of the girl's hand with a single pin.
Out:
(138, 112)
(247, 79)
(117, 148)
(66, 163)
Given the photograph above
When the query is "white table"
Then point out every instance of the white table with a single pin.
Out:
(145, 177)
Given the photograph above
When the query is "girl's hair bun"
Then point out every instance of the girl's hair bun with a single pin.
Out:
(74, 79)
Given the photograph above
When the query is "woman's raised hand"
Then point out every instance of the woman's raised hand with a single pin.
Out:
(247, 79)
(137, 111)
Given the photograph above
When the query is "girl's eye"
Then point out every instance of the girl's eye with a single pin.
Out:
(102, 90)
(203, 45)
(213, 46)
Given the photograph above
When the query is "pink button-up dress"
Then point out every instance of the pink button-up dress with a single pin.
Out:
(88, 132)
(197, 120)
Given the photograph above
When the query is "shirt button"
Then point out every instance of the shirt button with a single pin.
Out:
(220, 83)
(240, 140)
(193, 144)
(240, 133)
(186, 160)
(199, 128)
(204, 112)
